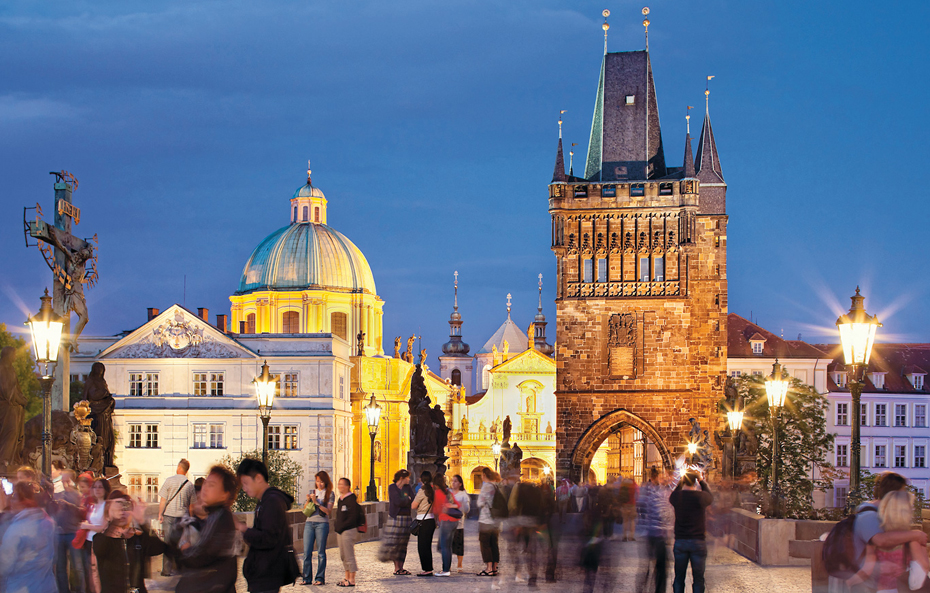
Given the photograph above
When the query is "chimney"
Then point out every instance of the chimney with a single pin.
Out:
(153, 313)
(221, 322)
(203, 314)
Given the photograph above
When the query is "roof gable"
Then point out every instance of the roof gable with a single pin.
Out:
(741, 333)
(177, 333)
(531, 361)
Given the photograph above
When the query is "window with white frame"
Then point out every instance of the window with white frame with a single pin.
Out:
(136, 381)
(282, 436)
(842, 458)
(863, 414)
(900, 414)
(200, 384)
(290, 437)
(878, 380)
(840, 496)
(920, 415)
(217, 384)
(917, 381)
(644, 269)
(659, 272)
(289, 384)
(757, 373)
(881, 413)
(920, 456)
(842, 414)
(151, 488)
(736, 373)
(135, 486)
(879, 456)
(757, 346)
(839, 379)
(151, 436)
(135, 436)
(602, 270)
(217, 435)
(900, 456)
(274, 436)
(200, 436)
(147, 383)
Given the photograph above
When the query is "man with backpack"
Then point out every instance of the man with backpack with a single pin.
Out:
(845, 546)
(174, 501)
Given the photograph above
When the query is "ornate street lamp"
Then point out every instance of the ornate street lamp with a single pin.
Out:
(496, 450)
(776, 390)
(264, 391)
(735, 424)
(857, 334)
(46, 327)
(373, 414)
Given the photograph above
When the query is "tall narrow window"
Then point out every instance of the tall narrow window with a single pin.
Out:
(900, 456)
(200, 436)
(216, 436)
(151, 488)
(295, 214)
(602, 270)
(880, 414)
(920, 415)
(290, 384)
(135, 436)
(316, 215)
(486, 376)
(290, 322)
(151, 383)
(456, 377)
(306, 214)
(879, 456)
(842, 459)
(842, 417)
(863, 414)
(135, 383)
(588, 271)
(217, 383)
(900, 415)
(644, 269)
(337, 322)
(920, 456)
(151, 436)
(250, 323)
(660, 269)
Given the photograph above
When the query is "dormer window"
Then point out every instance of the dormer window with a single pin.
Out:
(917, 380)
(878, 380)
(757, 341)
(840, 379)
(631, 99)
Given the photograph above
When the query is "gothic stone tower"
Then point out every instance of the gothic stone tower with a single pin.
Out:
(642, 292)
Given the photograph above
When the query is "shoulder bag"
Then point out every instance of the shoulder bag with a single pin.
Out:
(415, 524)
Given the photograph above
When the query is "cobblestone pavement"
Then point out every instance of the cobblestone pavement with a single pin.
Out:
(727, 572)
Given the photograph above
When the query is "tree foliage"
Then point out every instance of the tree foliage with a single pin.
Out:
(803, 443)
(25, 370)
(283, 473)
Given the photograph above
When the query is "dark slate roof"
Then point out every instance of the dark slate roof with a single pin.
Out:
(559, 173)
(895, 360)
(740, 331)
(689, 158)
(626, 140)
(707, 159)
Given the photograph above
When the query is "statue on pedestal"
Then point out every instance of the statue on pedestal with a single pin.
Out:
(83, 438)
(12, 411)
(397, 347)
(429, 432)
(360, 344)
(102, 405)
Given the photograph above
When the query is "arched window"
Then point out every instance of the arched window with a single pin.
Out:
(316, 215)
(486, 376)
(337, 325)
(290, 322)
(306, 213)
(456, 377)
(295, 214)
(250, 323)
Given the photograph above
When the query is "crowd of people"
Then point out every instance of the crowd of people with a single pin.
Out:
(74, 533)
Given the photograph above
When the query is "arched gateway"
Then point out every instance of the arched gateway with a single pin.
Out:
(606, 425)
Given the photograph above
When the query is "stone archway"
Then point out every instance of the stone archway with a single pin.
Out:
(606, 425)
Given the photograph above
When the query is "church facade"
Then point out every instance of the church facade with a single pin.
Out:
(641, 297)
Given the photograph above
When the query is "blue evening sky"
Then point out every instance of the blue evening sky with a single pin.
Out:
(432, 130)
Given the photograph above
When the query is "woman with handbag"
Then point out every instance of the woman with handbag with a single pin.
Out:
(425, 523)
(350, 520)
(124, 547)
(448, 518)
(316, 528)
(397, 533)
(464, 502)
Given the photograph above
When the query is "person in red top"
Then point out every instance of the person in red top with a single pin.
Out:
(448, 519)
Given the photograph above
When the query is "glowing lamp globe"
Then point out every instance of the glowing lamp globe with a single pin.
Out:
(264, 391)
(857, 332)
(776, 386)
(735, 420)
(46, 326)
(373, 415)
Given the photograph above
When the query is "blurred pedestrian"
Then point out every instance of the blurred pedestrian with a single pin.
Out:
(95, 522)
(69, 513)
(488, 524)
(464, 504)
(267, 565)
(316, 528)
(690, 500)
(627, 495)
(592, 552)
(174, 499)
(349, 517)
(579, 495)
(124, 547)
(656, 513)
(524, 519)
(27, 551)
(426, 520)
(563, 494)
(209, 565)
(448, 514)
(397, 531)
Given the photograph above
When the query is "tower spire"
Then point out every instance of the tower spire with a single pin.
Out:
(606, 27)
(308, 172)
(689, 158)
(508, 305)
(707, 161)
(571, 160)
(559, 173)
(540, 294)
(455, 346)
(539, 328)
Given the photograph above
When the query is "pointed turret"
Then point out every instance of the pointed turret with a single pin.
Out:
(689, 158)
(455, 346)
(539, 328)
(559, 173)
(707, 164)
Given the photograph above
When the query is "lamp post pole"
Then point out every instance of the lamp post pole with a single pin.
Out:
(776, 390)
(45, 327)
(264, 391)
(496, 450)
(373, 415)
(857, 334)
(265, 420)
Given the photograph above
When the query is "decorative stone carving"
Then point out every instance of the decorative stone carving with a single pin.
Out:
(179, 338)
(621, 345)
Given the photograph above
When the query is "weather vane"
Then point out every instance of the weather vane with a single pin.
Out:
(308, 171)
(561, 111)
(688, 118)
(707, 94)
(646, 25)
(508, 305)
(605, 26)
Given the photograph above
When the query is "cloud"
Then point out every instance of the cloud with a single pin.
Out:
(17, 108)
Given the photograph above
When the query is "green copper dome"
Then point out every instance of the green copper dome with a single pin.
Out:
(306, 255)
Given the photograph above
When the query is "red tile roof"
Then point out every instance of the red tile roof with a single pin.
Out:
(895, 360)
(740, 331)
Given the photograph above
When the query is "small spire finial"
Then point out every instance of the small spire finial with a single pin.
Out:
(456, 285)
(571, 159)
(707, 95)
(606, 27)
(646, 25)
(688, 118)
(308, 171)
(508, 305)
(540, 293)
(560, 122)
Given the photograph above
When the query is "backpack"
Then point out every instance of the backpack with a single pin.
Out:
(499, 505)
(839, 550)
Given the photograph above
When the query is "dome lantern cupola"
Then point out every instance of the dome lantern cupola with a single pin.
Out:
(539, 330)
(455, 346)
(308, 203)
